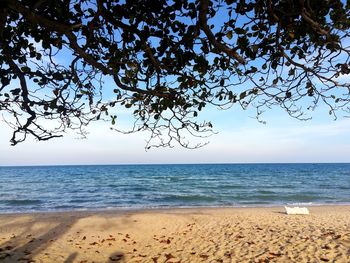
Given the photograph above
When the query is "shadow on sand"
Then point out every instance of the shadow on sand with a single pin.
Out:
(23, 237)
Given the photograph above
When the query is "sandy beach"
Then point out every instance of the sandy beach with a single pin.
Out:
(178, 235)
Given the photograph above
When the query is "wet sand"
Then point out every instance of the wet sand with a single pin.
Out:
(178, 235)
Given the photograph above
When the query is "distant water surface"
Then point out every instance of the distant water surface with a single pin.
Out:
(56, 188)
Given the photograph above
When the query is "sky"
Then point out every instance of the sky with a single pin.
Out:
(239, 139)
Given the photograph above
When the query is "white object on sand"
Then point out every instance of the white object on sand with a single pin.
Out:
(296, 210)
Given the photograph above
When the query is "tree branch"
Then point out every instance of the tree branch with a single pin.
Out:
(203, 21)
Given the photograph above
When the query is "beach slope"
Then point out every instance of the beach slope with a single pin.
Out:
(178, 235)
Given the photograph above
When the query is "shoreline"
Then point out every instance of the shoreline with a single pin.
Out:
(168, 208)
(243, 234)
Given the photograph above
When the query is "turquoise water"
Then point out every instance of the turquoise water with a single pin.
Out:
(56, 188)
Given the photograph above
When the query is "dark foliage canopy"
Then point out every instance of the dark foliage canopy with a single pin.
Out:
(66, 63)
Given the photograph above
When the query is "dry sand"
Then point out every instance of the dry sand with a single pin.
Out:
(178, 235)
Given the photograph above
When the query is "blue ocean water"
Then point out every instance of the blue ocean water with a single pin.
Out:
(56, 188)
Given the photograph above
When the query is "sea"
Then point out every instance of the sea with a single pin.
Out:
(101, 187)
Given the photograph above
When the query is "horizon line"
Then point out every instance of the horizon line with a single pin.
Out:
(204, 163)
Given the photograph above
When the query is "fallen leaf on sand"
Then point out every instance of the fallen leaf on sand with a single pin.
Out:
(329, 233)
(9, 247)
(326, 247)
(165, 241)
